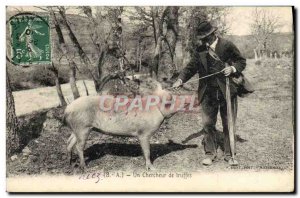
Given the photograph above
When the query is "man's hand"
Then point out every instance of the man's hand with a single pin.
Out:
(177, 84)
(229, 70)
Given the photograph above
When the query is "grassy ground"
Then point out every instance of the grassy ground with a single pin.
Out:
(265, 121)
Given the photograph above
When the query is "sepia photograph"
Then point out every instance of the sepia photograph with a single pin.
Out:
(150, 98)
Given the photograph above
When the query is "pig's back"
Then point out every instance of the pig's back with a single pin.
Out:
(128, 123)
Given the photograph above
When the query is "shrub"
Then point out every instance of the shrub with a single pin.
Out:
(42, 76)
(45, 77)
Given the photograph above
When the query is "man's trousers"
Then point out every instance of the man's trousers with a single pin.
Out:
(213, 101)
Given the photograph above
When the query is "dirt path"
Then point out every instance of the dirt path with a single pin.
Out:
(31, 100)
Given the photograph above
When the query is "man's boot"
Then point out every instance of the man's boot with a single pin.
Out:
(208, 160)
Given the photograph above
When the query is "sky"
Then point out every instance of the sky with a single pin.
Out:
(239, 18)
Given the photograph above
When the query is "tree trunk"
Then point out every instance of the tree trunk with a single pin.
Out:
(63, 49)
(73, 38)
(118, 75)
(158, 25)
(12, 130)
(97, 80)
(72, 71)
(58, 87)
(57, 84)
(100, 63)
(265, 50)
(154, 15)
(157, 56)
(172, 32)
(72, 79)
(185, 37)
(140, 59)
(75, 42)
(255, 54)
(119, 31)
(101, 50)
(86, 89)
(53, 69)
(137, 56)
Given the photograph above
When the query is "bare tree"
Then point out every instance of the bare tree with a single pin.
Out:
(264, 24)
(57, 85)
(64, 50)
(77, 46)
(163, 22)
(189, 21)
(107, 44)
(143, 30)
(218, 17)
(12, 129)
(106, 35)
(100, 42)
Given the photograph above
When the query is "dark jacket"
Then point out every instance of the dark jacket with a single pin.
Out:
(228, 53)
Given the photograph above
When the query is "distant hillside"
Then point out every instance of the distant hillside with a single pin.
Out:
(278, 41)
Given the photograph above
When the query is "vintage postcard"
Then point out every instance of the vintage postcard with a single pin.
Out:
(150, 99)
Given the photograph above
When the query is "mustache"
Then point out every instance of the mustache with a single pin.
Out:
(206, 40)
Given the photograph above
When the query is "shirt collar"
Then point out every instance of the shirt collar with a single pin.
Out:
(214, 44)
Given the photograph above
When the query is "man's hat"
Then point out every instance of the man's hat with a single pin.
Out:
(205, 29)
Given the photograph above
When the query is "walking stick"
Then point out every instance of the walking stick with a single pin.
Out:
(231, 123)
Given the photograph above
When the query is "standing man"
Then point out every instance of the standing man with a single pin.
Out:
(212, 90)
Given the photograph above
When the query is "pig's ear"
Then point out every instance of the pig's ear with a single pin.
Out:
(158, 86)
(149, 81)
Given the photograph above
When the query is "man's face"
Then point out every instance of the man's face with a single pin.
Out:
(209, 39)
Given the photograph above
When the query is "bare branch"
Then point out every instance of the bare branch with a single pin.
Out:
(42, 8)
(264, 24)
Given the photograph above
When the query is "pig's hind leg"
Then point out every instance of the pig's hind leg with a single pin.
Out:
(82, 136)
(71, 142)
(145, 144)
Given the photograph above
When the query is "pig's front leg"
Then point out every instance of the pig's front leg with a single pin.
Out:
(145, 144)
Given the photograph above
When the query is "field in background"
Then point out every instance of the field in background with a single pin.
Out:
(265, 123)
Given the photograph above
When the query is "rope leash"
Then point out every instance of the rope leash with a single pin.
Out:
(203, 77)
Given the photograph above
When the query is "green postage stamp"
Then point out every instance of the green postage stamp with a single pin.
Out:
(30, 40)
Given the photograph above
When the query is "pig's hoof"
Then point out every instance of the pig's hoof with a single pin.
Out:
(82, 168)
(73, 165)
(150, 167)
